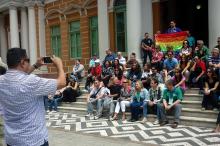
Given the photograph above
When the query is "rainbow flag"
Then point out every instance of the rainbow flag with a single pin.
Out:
(173, 39)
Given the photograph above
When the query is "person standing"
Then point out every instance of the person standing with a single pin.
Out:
(22, 99)
(146, 46)
(173, 27)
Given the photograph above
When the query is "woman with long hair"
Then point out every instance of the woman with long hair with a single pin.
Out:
(210, 98)
(184, 65)
(124, 100)
(186, 49)
(179, 79)
(139, 96)
(107, 72)
(135, 73)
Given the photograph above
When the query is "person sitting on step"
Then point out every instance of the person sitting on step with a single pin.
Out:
(210, 98)
(197, 73)
(95, 98)
(179, 79)
(78, 71)
(155, 96)
(124, 100)
(140, 95)
(171, 102)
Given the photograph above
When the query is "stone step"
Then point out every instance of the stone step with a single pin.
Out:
(75, 110)
(184, 120)
(74, 104)
(192, 97)
(192, 112)
(190, 121)
(82, 104)
(192, 104)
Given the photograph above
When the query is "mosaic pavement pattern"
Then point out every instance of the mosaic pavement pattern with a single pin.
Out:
(146, 133)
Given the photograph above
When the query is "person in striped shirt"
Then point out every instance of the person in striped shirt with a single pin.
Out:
(22, 99)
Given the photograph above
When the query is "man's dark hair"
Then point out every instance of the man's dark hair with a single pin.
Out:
(133, 53)
(146, 33)
(14, 56)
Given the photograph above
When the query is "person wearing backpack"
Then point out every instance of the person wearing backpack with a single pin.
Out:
(155, 96)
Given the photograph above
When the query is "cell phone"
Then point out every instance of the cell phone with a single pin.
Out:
(47, 60)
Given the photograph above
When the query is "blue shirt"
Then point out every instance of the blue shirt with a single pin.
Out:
(214, 60)
(173, 30)
(22, 100)
(110, 58)
(170, 64)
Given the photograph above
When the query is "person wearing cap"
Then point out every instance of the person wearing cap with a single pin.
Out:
(214, 60)
(197, 72)
(95, 72)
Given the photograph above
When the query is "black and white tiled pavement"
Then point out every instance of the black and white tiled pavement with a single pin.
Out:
(147, 133)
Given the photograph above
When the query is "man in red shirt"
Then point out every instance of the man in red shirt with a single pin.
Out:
(197, 72)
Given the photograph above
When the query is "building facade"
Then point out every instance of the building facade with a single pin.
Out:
(77, 29)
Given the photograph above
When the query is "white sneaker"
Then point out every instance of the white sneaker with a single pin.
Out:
(88, 115)
(96, 117)
(144, 120)
(156, 122)
(91, 117)
(48, 111)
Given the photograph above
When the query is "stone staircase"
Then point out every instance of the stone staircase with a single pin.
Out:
(192, 115)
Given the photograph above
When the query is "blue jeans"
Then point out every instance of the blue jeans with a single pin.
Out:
(99, 106)
(145, 109)
(136, 109)
(175, 110)
(54, 103)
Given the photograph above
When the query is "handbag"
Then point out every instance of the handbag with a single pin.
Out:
(94, 95)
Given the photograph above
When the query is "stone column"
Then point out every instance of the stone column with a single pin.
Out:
(134, 27)
(32, 34)
(103, 27)
(3, 41)
(41, 20)
(147, 17)
(24, 29)
(214, 22)
(14, 33)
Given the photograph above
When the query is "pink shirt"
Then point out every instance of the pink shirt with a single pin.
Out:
(157, 56)
(183, 85)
